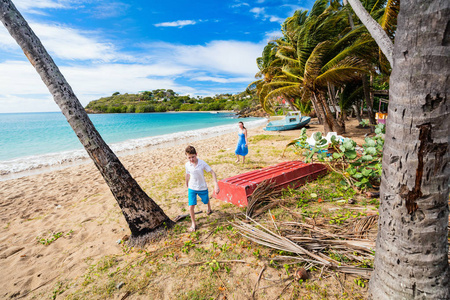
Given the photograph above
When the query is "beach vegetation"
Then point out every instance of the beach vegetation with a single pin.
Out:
(360, 167)
(52, 237)
(162, 100)
(325, 61)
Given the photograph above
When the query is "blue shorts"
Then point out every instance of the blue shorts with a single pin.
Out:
(192, 196)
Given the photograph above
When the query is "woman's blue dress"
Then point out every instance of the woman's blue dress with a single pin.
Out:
(241, 149)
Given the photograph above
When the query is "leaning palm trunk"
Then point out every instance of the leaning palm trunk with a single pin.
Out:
(320, 113)
(142, 214)
(411, 259)
(333, 124)
(369, 102)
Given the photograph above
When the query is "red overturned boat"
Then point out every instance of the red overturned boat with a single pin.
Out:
(291, 174)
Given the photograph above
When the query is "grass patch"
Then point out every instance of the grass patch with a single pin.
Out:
(269, 137)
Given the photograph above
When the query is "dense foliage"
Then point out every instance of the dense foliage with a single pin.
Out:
(162, 100)
(360, 167)
(326, 60)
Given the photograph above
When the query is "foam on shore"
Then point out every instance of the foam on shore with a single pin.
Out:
(31, 165)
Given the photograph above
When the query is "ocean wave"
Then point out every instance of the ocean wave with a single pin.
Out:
(26, 166)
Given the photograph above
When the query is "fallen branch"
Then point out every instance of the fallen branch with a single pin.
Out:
(204, 262)
(181, 217)
(257, 281)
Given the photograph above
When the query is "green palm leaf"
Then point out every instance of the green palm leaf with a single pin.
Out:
(343, 72)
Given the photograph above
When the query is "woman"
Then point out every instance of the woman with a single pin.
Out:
(242, 145)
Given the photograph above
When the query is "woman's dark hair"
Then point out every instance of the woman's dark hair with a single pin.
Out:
(242, 125)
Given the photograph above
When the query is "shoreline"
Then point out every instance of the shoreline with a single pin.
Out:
(27, 166)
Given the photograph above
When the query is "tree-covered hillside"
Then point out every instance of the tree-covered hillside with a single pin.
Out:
(162, 100)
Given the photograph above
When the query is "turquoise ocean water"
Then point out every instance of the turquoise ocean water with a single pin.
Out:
(35, 140)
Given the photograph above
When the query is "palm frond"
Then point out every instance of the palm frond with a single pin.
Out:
(389, 18)
(283, 57)
(346, 70)
(362, 48)
(350, 37)
(315, 61)
(254, 86)
(287, 91)
(318, 8)
(292, 73)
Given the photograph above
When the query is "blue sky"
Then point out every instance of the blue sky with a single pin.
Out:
(196, 47)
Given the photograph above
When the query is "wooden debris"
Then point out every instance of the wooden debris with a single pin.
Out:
(257, 282)
(181, 217)
(219, 261)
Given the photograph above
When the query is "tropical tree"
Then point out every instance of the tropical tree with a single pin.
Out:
(318, 57)
(142, 214)
(411, 260)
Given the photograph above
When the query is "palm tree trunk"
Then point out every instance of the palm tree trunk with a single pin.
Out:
(350, 18)
(368, 98)
(142, 214)
(329, 117)
(411, 260)
(331, 94)
(291, 105)
(320, 114)
(357, 114)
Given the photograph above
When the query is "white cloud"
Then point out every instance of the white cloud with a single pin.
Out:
(240, 4)
(17, 103)
(20, 79)
(276, 19)
(27, 5)
(230, 57)
(257, 10)
(179, 24)
(222, 80)
(71, 44)
(6, 41)
(260, 12)
(272, 35)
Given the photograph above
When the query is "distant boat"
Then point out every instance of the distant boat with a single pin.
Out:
(214, 112)
(292, 120)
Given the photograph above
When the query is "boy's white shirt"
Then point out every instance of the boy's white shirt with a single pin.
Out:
(197, 180)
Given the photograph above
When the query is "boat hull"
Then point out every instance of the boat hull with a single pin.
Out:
(239, 188)
(281, 125)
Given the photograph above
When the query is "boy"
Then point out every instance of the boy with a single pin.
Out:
(195, 181)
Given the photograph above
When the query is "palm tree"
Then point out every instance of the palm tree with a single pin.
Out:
(411, 260)
(376, 31)
(315, 60)
(142, 214)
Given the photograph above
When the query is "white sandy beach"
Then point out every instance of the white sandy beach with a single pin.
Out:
(77, 202)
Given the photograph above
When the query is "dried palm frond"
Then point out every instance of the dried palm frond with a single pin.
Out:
(267, 238)
(363, 225)
(263, 194)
